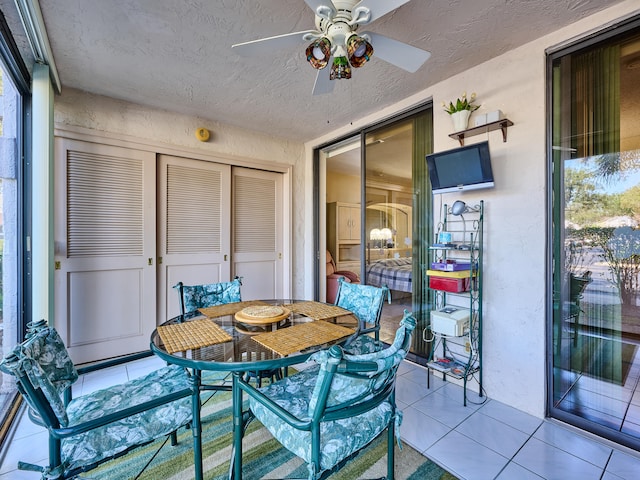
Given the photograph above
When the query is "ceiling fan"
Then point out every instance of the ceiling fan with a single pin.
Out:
(336, 43)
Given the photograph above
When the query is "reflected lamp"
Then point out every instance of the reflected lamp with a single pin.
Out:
(375, 235)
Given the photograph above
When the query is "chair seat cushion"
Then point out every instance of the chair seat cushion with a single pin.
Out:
(338, 439)
(119, 436)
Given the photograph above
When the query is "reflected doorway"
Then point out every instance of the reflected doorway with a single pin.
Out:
(378, 205)
(388, 219)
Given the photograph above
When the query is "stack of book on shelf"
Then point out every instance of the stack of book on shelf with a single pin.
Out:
(448, 365)
(450, 276)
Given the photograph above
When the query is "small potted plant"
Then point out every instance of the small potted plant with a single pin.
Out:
(460, 111)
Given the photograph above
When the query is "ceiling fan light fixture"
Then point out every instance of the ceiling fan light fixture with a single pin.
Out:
(359, 51)
(340, 68)
(319, 53)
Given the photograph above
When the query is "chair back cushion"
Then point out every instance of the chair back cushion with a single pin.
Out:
(45, 346)
(331, 265)
(209, 295)
(43, 358)
(350, 383)
(365, 301)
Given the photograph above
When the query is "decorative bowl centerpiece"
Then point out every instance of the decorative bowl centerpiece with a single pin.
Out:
(262, 314)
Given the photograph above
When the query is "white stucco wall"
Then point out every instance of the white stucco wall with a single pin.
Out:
(515, 221)
(515, 210)
(88, 113)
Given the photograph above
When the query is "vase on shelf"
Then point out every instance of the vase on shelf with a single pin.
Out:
(460, 120)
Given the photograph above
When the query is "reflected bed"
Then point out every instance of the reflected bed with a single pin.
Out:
(395, 273)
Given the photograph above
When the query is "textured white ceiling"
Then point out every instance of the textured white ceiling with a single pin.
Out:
(176, 54)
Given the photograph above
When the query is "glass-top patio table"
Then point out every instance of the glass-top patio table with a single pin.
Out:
(251, 336)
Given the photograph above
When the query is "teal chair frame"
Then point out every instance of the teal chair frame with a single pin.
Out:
(327, 415)
(365, 302)
(91, 429)
(193, 297)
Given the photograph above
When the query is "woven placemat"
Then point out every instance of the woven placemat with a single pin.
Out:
(293, 339)
(317, 310)
(228, 308)
(180, 337)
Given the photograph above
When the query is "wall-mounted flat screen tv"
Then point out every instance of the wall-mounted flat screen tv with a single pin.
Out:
(464, 168)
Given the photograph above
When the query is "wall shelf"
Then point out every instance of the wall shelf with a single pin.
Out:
(488, 127)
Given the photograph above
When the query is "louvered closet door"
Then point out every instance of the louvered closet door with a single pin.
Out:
(258, 236)
(194, 226)
(105, 277)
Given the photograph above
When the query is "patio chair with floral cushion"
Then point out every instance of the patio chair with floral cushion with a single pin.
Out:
(91, 429)
(327, 415)
(193, 297)
(365, 302)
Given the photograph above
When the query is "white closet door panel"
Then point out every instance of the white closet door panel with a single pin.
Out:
(87, 298)
(259, 279)
(105, 242)
(194, 212)
(258, 232)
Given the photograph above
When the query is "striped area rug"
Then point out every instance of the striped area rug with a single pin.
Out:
(263, 457)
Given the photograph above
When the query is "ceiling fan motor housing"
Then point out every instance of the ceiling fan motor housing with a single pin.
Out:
(346, 46)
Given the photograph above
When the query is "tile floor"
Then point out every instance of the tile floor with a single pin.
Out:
(492, 440)
(487, 440)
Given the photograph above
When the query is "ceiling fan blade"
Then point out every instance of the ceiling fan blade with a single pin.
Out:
(269, 44)
(397, 53)
(379, 8)
(323, 83)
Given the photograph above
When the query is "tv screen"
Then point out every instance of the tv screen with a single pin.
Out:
(464, 168)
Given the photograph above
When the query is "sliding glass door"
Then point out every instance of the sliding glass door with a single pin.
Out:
(14, 248)
(595, 334)
(378, 205)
